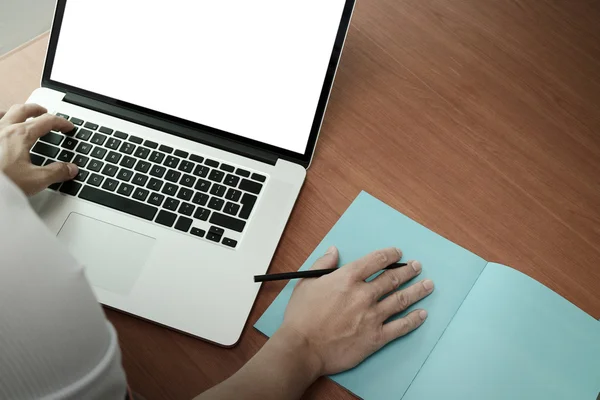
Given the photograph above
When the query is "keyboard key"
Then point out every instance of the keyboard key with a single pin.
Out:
(80, 160)
(52, 138)
(248, 201)
(201, 171)
(231, 208)
(121, 135)
(172, 162)
(82, 175)
(91, 125)
(170, 189)
(242, 172)
(70, 143)
(110, 184)
(213, 237)
(186, 209)
(151, 144)
(143, 166)
(71, 133)
(166, 149)
(127, 148)
(55, 186)
(171, 204)
(76, 121)
(227, 168)
(115, 202)
(106, 130)
(227, 222)
(187, 180)
(83, 148)
(229, 242)
(98, 139)
(125, 189)
(173, 175)
(113, 157)
(157, 157)
(49, 161)
(156, 199)
(183, 224)
(125, 174)
(186, 166)
(140, 194)
(216, 230)
(155, 184)
(198, 232)
(65, 116)
(110, 170)
(200, 198)
(202, 185)
(139, 179)
(218, 190)
(258, 177)
(95, 165)
(216, 175)
(181, 153)
(36, 160)
(185, 194)
(142, 152)
(45, 149)
(233, 195)
(95, 180)
(99, 152)
(127, 162)
(166, 218)
(215, 203)
(211, 163)
(250, 186)
(71, 188)
(65, 156)
(113, 143)
(83, 134)
(135, 139)
(231, 180)
(196, 158)
(158, 171)
(201, 214)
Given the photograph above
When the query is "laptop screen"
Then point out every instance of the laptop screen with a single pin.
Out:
(251, 68)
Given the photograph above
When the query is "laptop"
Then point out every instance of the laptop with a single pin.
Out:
(195, 122)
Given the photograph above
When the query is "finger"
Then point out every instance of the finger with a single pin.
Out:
(401, 326)
(2, 113)
(21, 112)
(53, 173)
(392, 279)
(402, 299)
(328, 260)
(374, 262)
(40, 126)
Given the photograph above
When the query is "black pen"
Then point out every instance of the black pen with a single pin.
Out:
(314, 273)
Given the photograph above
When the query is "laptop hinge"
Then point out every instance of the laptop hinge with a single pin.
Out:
(173, 128)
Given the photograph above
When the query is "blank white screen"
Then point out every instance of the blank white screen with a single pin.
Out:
(252, 68)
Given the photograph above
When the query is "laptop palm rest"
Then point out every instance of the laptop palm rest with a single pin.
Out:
(113, 257)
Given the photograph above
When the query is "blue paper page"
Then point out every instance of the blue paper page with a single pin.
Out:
(368, 225)
(513, 338)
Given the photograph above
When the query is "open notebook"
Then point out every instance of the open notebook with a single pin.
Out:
(492, 332)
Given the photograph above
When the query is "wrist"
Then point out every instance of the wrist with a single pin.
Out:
(294, 346)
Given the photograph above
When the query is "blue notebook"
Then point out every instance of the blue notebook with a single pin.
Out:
(492, 332)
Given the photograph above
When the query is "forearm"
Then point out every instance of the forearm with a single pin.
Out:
(282, 369)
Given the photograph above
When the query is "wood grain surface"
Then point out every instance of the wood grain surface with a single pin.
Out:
(479, 119)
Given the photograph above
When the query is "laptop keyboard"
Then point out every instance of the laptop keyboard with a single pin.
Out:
(187, 192)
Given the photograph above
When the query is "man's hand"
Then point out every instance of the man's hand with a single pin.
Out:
(17, 136)
(340, 317)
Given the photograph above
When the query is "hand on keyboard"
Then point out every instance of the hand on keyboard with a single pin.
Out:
(17, 136)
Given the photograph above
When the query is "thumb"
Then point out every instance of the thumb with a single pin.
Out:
(56, 172)
(328, 260)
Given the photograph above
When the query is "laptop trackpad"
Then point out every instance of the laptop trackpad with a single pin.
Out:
(113, 257)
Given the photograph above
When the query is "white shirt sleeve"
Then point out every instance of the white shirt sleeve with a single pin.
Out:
(55, 342)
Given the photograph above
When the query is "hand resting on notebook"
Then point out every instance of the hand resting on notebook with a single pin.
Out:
(331, 324)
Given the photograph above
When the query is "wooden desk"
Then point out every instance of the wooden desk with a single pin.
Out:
(478, 118)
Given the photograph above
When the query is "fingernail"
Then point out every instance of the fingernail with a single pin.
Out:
(416, 266)
(428, 284)
(73, 170)
(423, 314)
(330, 250)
